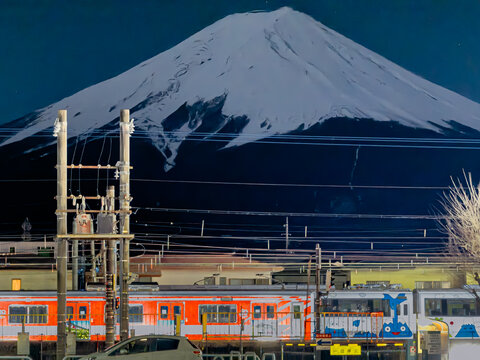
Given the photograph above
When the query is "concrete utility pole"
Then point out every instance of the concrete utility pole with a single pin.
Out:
(106, 231)
(110, 277)
(318, 260)
(286, 234)
(124, 201)
(61, 133)
(74, 265)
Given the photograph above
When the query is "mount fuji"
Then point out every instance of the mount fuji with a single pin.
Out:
(279, 71)
(213, 107)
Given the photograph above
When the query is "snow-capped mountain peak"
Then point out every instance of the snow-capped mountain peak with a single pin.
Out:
(280, 70)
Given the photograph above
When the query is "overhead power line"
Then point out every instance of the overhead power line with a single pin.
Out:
(292, 214)
(285, 139)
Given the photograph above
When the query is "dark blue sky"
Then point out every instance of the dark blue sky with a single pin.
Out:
(51, 49)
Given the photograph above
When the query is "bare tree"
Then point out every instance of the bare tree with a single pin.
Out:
(461, 222)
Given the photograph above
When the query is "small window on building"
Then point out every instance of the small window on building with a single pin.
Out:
(16, 284)
(12, 250)
(432, 284)
(163, 312)
(209, 280)
(242, 281)
(384, 283)
(223, 281)
(262, 281)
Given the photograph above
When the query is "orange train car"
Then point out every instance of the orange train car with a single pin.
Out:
(197, 312)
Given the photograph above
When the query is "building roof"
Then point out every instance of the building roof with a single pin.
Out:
(153, 265)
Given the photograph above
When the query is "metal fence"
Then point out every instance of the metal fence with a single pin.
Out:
(352, 325)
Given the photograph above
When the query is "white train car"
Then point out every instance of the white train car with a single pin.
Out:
(369, 314)
(459, 309)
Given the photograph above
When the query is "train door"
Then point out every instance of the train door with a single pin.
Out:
(297, 325)
(177, 310)
(264, 320)
(78, 319)
(167, 313)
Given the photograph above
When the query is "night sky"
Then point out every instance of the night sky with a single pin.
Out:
(52, 49)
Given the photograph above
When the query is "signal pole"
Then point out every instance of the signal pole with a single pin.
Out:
(124, 200)
(61, 134)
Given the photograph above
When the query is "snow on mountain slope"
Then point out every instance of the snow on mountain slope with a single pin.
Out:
(280, 69)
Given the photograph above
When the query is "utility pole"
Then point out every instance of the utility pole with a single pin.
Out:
(318, 261)
(286, 233)
(111, 262)
(83, 230)
(307, 294)
(74, 265)
(61, 133)
(124, 200)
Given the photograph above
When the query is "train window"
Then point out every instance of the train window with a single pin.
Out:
(227, 313)
(30, 314)
(270, 311)
(82, 312)
(360, 305)
(451, 307)
(177, 310)
(257, 312)
(69, 312)
(218, 313)
(17, 314)
(434, 307)
(297, 312)
(135, 314)
(405, 309)
(461, 307)
(163, 312)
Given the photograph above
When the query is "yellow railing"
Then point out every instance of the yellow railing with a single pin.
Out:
(209, 326)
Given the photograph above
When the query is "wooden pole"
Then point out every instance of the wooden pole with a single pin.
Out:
(62, 230)
(124, 200)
